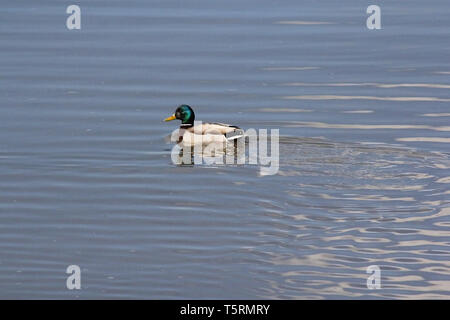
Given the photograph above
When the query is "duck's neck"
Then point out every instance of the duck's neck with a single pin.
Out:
(186, 125)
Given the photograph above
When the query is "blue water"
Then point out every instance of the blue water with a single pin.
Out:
(86, 176)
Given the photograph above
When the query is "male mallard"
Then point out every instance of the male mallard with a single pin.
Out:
(205, 133)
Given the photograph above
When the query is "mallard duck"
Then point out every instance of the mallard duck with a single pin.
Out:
(204, 133)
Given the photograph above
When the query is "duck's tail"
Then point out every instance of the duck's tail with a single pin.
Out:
(235, 134)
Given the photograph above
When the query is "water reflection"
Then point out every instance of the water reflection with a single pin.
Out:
(358, 111)
(436, 115)
(305, 124)
(356, 97)
(388, 189)
(368, 84)
(304, 23)
(289, 68)
(424, 139)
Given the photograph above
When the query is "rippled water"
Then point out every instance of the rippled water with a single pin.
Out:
(86, 176)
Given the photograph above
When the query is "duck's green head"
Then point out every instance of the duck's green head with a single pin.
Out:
(183, 113)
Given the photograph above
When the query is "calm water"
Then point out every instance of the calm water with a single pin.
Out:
(86, 176)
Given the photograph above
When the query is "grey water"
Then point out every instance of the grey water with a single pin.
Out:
(86, 177)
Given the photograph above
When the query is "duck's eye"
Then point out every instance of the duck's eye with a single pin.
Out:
(178, 115)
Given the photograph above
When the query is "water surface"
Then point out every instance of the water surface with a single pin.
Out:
(86, 176)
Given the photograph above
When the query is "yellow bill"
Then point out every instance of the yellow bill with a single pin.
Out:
(172, 117)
